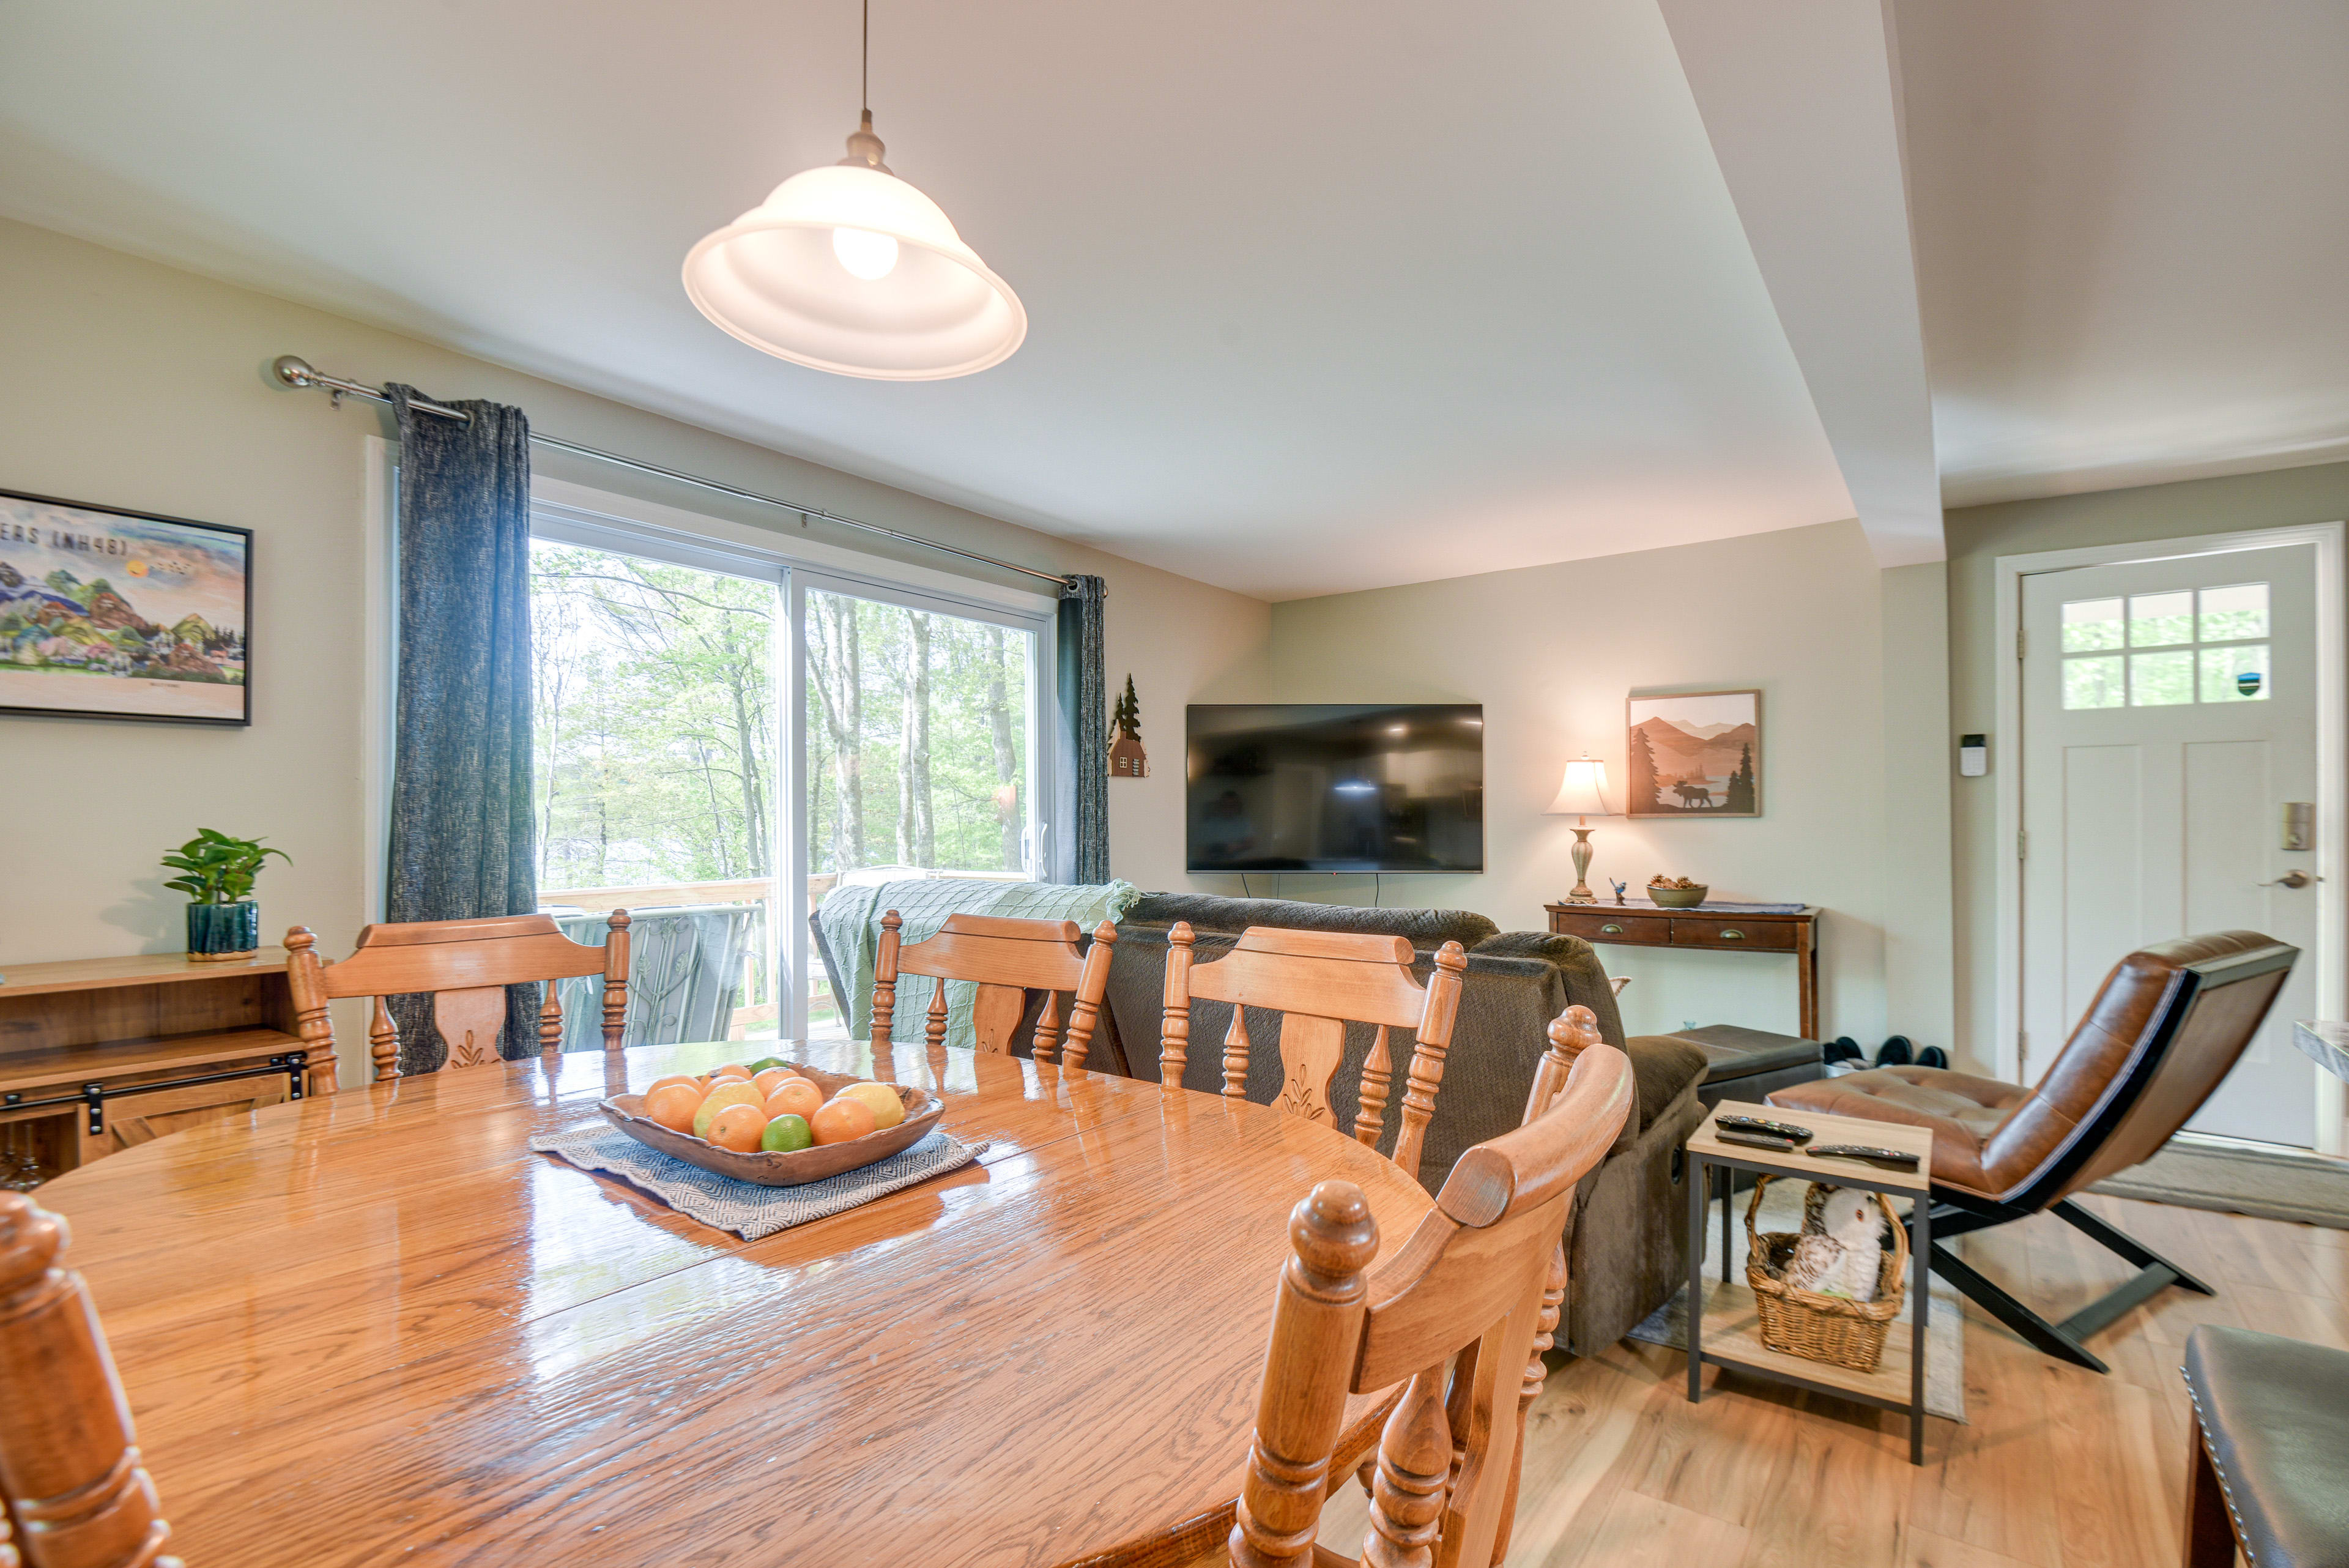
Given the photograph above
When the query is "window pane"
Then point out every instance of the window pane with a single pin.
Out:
(2091, 624)
(917, 739)
(2093, 682)
(2161, 679)
(2234, 612)
(2158, 619)
(2235, 674)
(653, 717)
(917, 749)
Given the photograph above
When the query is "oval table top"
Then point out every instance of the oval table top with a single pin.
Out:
(375, 1326)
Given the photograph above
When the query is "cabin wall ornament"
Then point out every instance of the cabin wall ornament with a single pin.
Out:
(1127, 760)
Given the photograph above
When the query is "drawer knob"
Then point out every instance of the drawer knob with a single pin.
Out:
(1610, 929)
(1732, 934)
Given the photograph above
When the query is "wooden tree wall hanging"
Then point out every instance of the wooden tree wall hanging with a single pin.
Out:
(1127, 760)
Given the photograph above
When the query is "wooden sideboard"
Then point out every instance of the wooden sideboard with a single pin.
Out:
(1792, 931)
(99, 1055)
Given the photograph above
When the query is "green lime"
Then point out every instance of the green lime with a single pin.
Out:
(785, 1134)
(763, 1063)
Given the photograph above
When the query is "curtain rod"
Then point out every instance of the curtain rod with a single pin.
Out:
(295, 371)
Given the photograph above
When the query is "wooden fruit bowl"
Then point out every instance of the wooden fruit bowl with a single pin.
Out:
(799, 1167)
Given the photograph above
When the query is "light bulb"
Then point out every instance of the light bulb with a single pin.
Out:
(869, 255)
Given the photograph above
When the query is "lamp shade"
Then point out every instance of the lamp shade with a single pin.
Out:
(1583, 791)
(847, 269)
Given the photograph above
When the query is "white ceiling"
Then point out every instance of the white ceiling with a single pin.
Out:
(1803, 104)
(1324, 295)
(2132, 223)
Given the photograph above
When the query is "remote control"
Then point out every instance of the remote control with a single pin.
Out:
(1889, 1159)
(1756, 1140)
(1787, 1130)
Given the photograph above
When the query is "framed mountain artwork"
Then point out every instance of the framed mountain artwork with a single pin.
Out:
(110, 614)
(1694, 753)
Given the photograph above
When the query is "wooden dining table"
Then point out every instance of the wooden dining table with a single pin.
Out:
(375, 1327)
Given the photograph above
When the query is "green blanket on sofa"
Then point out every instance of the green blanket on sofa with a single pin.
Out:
(851, 919)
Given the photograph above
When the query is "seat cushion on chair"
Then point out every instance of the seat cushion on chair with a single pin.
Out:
(1961, 1110)
(2275, 1421)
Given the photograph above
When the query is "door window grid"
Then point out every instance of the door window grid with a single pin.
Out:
(2197, 646)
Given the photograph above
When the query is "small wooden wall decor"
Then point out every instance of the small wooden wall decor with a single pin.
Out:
(1127, 760)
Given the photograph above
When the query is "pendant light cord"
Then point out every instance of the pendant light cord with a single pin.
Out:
(865, 73)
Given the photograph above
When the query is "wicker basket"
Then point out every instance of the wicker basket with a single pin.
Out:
(1834, 1329)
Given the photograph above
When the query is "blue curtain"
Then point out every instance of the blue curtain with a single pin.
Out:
(1079, 842)
(463, 840)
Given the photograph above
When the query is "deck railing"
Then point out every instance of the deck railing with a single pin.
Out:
(701, 954)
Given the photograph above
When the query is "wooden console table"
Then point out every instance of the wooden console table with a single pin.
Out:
(100, 1055)
(1710, 928)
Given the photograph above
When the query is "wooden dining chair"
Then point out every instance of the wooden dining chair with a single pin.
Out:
(1320, 982)
(1006, 959)
(70, 1476)
(1458, 1310)
(466, 965)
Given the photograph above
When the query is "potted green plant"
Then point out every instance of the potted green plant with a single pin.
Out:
(216, 872)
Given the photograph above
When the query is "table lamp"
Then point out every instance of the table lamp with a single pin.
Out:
(1582, 794)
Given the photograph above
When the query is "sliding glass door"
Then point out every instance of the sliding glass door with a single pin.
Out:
(657, 781)
(724, 736)
(920, 715)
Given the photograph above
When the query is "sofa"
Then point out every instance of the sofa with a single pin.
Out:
(1628, 1254)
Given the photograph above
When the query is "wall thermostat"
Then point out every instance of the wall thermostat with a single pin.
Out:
(1973, 756)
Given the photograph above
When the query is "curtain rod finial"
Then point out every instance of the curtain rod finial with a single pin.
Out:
(293, 370)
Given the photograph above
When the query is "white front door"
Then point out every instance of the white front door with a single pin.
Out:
(2168, 719)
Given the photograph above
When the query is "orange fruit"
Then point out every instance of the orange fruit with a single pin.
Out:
(737, 1128)
(793, 1097)
(730, 1069)
(722, 1095)
(771, 1077)
(696, 1084)
(838, 1121)
(673, 1106)
(888, 1110)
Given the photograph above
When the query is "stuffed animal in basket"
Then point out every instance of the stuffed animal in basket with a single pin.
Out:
(1841, 1251)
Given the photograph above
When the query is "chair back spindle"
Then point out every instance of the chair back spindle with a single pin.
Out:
(1004, 959)
(70, 1474)
(1175, 1026)
(1571, 1032)
(1318, 982)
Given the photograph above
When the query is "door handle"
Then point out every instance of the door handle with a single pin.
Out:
(2293, 879)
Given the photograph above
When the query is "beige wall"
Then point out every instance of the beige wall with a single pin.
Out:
(1977, 536)
(1552, 652)
(131, 384)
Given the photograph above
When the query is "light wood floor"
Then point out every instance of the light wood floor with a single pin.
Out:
(2058, 1468)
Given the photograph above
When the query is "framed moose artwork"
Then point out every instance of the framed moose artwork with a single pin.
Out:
(1694, 753)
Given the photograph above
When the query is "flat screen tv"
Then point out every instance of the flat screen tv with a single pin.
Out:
(1322, 787)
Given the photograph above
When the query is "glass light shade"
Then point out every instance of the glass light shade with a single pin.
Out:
(780, 279)
(1583, 791)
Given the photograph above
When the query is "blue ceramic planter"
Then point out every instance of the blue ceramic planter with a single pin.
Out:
(223, 930)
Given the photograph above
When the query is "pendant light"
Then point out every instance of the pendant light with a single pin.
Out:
(848, 268)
